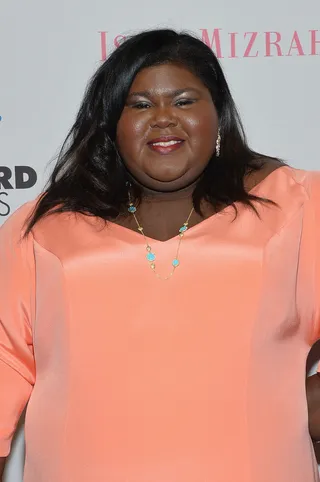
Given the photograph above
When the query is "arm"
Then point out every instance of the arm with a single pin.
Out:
(17, 301)
(313, 400)
(2, 464)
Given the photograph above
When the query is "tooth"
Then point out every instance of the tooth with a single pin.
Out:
(166, 144)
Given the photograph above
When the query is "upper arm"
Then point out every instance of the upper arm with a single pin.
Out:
(17, 293)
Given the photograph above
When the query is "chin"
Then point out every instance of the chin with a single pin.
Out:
(169, 185)
(165, 181)
(174, 180)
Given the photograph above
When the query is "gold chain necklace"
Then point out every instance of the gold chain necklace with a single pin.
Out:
(151, 257)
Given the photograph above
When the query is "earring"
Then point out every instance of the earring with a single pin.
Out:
(218, 143)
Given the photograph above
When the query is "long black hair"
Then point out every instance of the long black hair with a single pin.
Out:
(89, 176)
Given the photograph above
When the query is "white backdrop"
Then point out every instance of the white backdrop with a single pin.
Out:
(270, 52)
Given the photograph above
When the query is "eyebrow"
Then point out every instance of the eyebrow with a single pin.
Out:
(171, 93)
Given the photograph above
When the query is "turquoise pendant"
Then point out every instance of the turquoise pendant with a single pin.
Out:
(132, 209)
(175, 263)
(150, 257)
(183, 229)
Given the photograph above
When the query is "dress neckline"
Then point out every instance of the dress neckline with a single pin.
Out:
(127, 232)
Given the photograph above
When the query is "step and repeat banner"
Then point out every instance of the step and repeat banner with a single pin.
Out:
(270, 52)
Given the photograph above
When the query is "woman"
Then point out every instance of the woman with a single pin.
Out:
(158, 311)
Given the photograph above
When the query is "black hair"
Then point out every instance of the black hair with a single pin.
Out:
(89, 176)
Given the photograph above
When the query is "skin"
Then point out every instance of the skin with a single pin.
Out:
(313, 400)
(153, 109)
(190, 115)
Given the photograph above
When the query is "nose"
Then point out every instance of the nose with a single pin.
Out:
(163, 117)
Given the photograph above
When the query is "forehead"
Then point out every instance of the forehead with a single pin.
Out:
(167, 76)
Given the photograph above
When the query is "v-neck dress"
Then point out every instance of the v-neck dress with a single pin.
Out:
(128, 378)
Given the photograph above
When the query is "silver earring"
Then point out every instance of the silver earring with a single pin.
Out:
(218, 143)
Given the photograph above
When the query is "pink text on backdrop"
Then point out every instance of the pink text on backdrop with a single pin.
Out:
(234, 45)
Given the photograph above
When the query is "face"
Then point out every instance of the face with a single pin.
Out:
(168, 128)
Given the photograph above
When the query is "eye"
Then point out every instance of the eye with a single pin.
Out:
(141, 105)
(183, 102)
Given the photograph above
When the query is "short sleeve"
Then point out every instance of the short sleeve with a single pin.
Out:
(17, 292)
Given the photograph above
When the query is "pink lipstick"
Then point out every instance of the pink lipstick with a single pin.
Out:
(165, 144)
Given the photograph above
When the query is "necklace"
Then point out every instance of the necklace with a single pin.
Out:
(151, 257)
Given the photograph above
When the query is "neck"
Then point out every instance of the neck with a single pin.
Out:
(153, 195)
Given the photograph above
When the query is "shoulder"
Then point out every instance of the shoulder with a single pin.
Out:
(14, 226)
(290, 189)
(278, 172)
(307, 180)
(303, 184)
(312, 183)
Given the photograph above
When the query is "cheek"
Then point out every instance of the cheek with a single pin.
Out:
(131, 128)
(131, 135)
(203, 131)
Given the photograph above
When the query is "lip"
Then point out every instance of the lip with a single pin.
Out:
(165, 150)
(165, 139)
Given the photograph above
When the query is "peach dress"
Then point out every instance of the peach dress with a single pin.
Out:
(131, 379)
